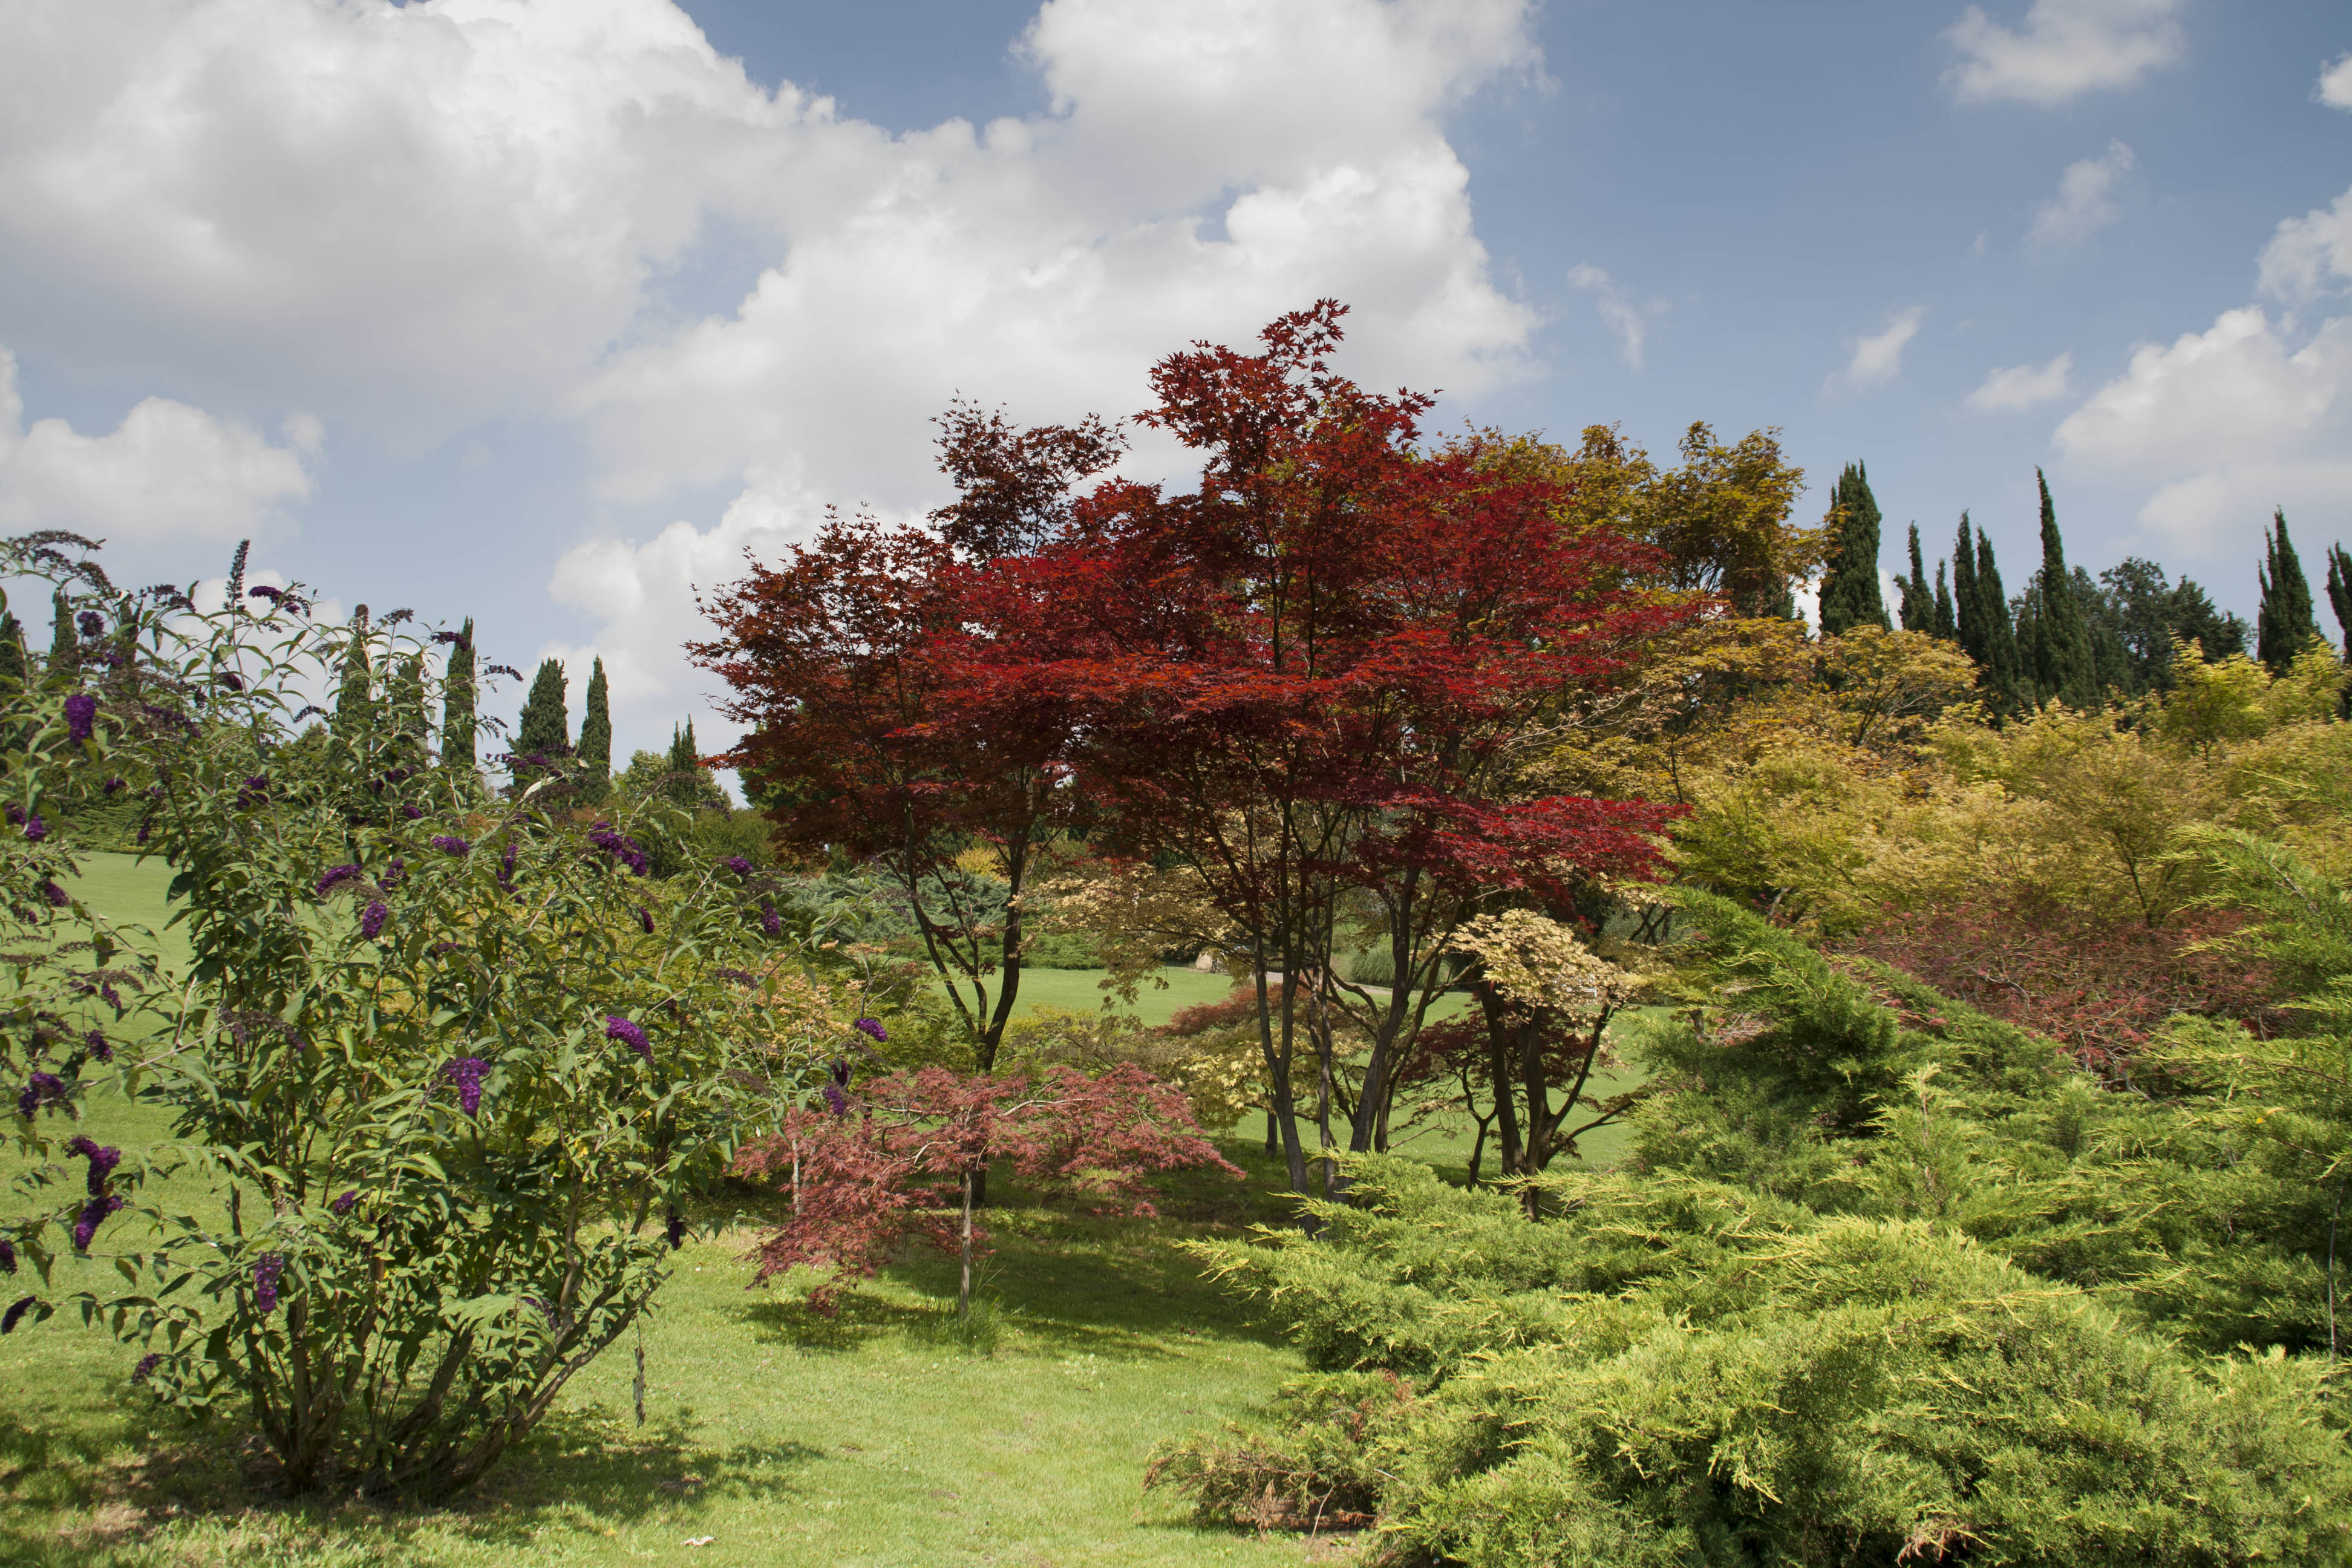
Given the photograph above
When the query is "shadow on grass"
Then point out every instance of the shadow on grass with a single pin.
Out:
(91, 1502)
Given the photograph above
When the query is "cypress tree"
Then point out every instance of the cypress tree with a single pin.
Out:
(404, 708)
(2339, 592)
(1945, 626)
(1982, 618)
(458, 704)
(2064, 664)
(64, 642)
(546, 727)
(1918, 604)
(354, 716)
(685, 785)
(12, 655)
(1850, 593)
(2284, 626)
(596, 736)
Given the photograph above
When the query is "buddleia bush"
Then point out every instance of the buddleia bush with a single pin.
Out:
(446, 1070)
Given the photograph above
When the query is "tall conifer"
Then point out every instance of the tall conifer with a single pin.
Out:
(2064, 666)
(1919, 602)
(458, 704)
(596, 736)
(64, 642)
(1850, 590)
(2339, 592)
(1982, 618)
(545, 729)
(354, 715)
(684, 785)
(2284, 625)
(1946, 625)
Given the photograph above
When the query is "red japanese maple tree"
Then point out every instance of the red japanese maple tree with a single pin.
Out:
(1316, 680)
(882, 1164)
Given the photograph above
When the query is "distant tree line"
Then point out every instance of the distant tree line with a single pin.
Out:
(2065, 634)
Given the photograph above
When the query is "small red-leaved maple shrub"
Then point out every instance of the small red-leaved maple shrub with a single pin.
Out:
(881, 1164)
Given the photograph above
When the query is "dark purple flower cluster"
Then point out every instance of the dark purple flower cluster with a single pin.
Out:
(265, 1275)
(619, 1028)
(343, 1206)
(147, 1365)
(837, 1098)
(93, 1213)
(232, 679)
(372, 918)
(334, 876)
(99, 1046)
(35, 828)
(872, 1027)
(114, 785)
(45, 1089)
(58, 898)
(15, 815)
(770, 921)
(102, 1161)
(448, 844)
(92, 623)
(506, 866)
(739, 976)
(738, 864)
(621, 847)
(393, 870)
(675, 1230)
(266, 592)
(7, 1256)
(16, 1314)
(458, 638)
(81, 717)
(645, 919)
(465, 1072)
(410, 810)
(253, 791)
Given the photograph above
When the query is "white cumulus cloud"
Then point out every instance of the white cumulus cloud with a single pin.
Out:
(2220, 426)
(167, 472)
(2063, 49)
(2023, 386)
(2335, 88)
(2085, 203)
(1878, 358)
(1617, 308)
(2310, 255)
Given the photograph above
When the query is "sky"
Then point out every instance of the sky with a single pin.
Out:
(546, 311)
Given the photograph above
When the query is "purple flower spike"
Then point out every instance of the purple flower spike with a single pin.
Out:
(738, 864)
(343, 1206)
(394, 871)
(265, 1274)
(99, 1046)
(81, 717)
(645, 919)
(873, 1028)
(411, 811)
(58, 898)
(8, 1256)
(115, 785)
(266, 592)
(15, 1315)
(771, 922)
(102, 1161)
(465, 1072)
(232, 681)
(449, 845)
(254, 791)
(835, 1098)
(372, 918)
(35, 828)
(619, 1028)
(147, 1365)
(92, 623)
(334, 876)
(621, 847)
(675, 1231)
(93, 1213)
(45, 1089)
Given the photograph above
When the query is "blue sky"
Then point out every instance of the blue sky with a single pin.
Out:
(545, 312)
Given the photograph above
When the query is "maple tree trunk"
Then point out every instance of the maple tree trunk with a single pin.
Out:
(963, 1292)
